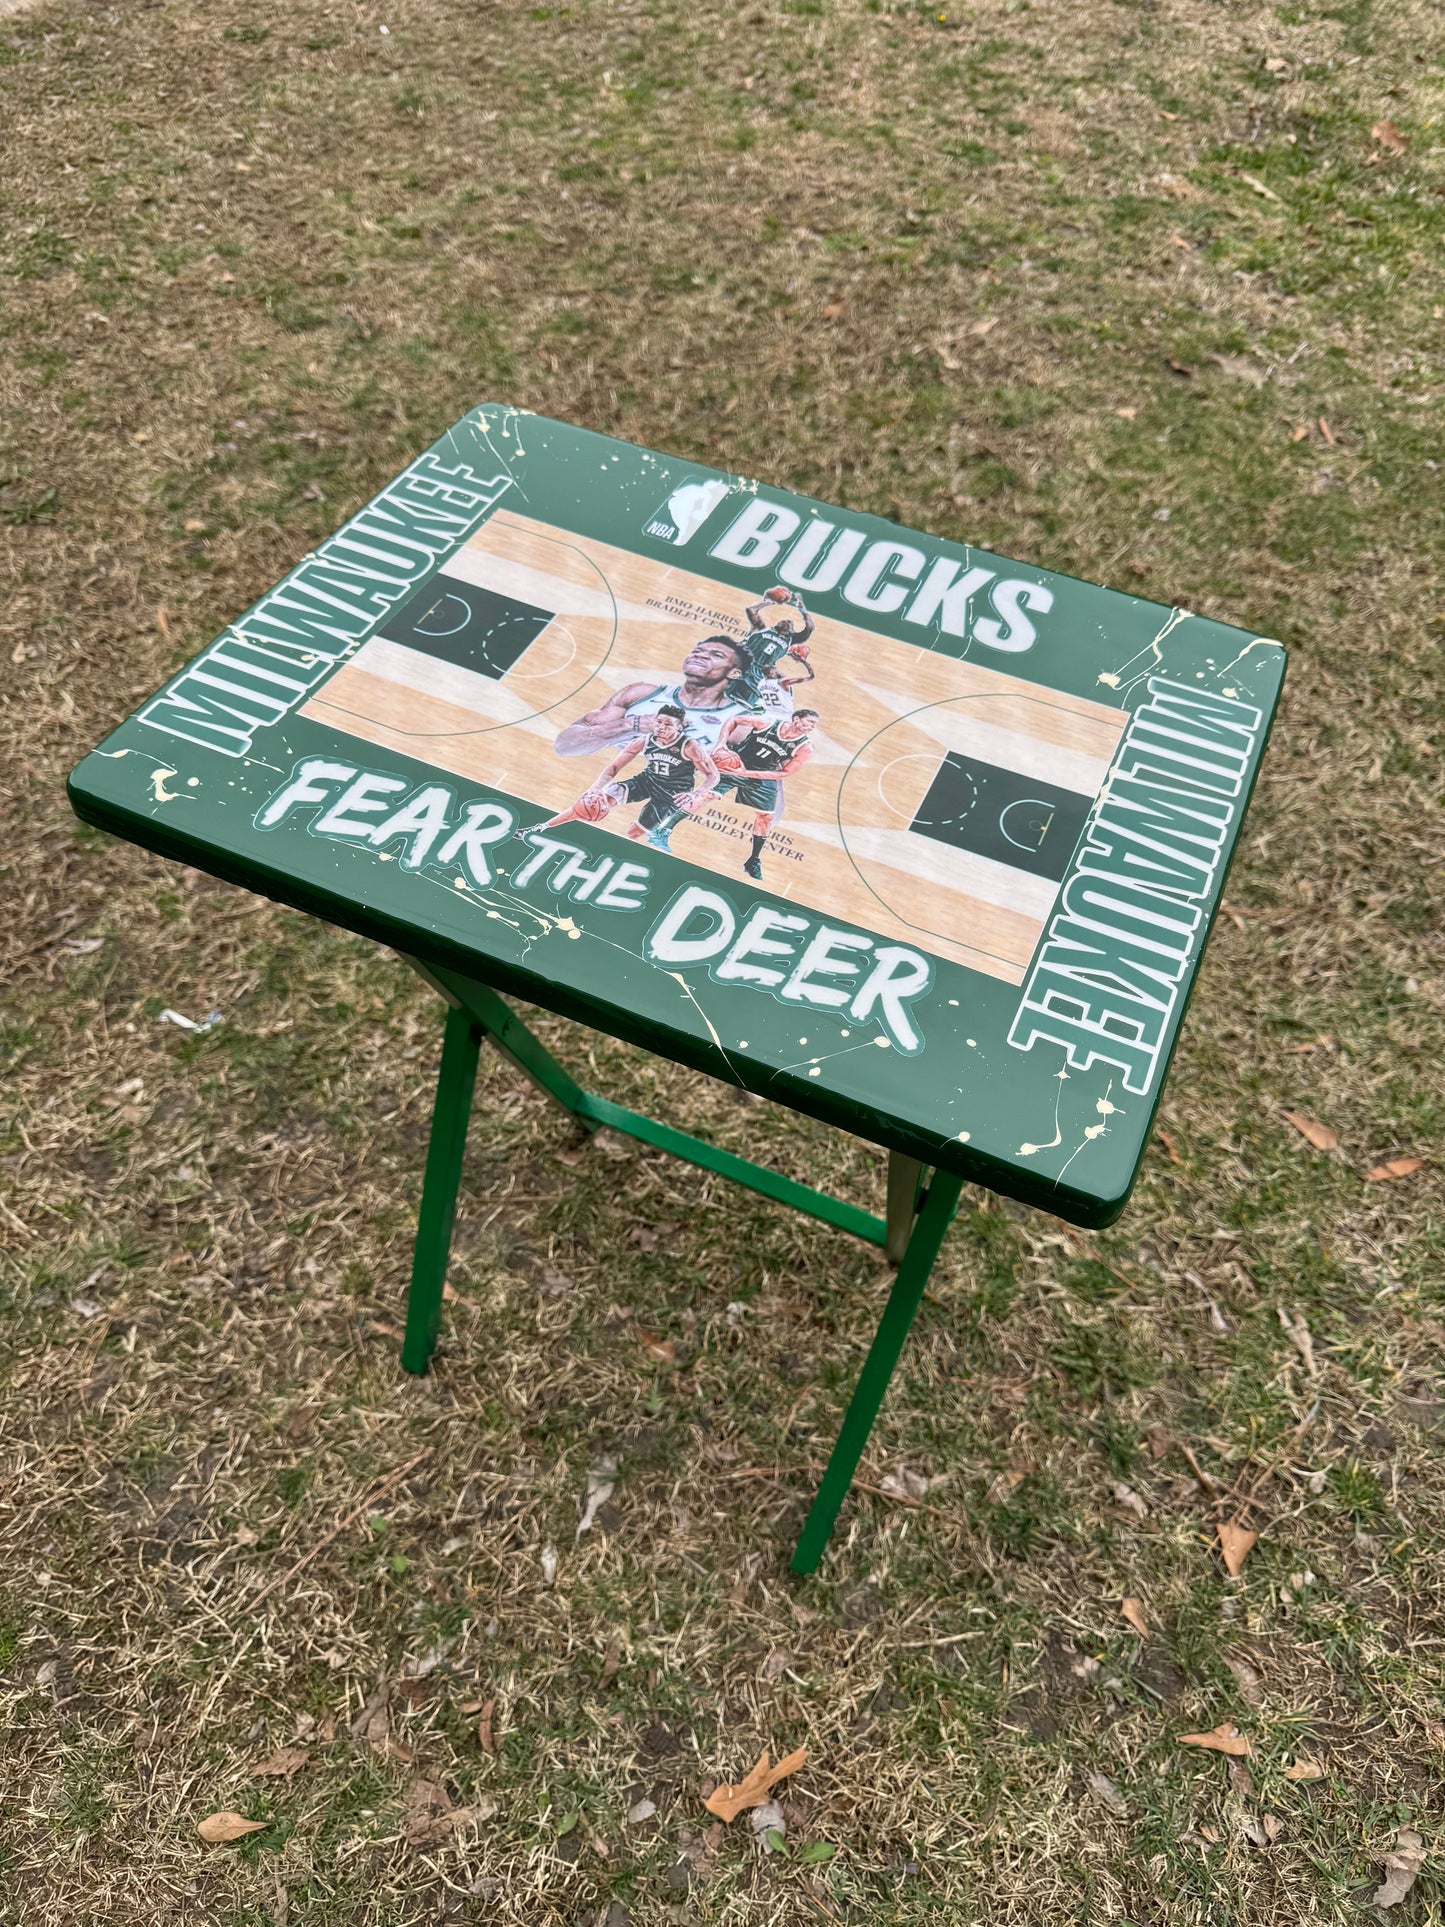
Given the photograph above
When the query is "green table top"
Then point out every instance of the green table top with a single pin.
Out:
(900, 833)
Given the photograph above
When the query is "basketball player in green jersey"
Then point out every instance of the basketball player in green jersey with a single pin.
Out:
(664, 786)
(767, 645)
(752, 763)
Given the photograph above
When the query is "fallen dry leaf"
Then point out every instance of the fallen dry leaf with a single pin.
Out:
(1180, 368)
(372, 1722)
(1171, 1147)
(1242, 368)
(1395, 1168)
(601, 1484)
(1002, 1485)
(1301, 429)
(1235, 1542)
(905, 1484)
(1259, 187)
(662, 1349)
(1259, 1829)
(727, 1802)
(1386, 134)
(427, 1815)
(285, 1762)
(1134, 1613)
(1107, 1792)
(1304, 1768)
(1298, 1333)
(988, 322)
(1224, 1739)
(1402, 1866)
(1320, 1135)
(450, 1294)
(1250, 1683)
(770, 1827)
(486, 1738)
(1329, 434)
(611, 1660)
(217, 1828)
(1126, 1496)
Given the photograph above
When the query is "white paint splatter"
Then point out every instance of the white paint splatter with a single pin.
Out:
(1032, 1150)
(1115, 679)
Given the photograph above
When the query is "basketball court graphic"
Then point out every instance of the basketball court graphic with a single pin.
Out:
(914, 838)
(942, 801)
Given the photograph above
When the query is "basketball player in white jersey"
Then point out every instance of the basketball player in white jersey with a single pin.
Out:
(702, 696)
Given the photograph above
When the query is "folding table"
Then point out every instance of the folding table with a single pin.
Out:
(909, 837)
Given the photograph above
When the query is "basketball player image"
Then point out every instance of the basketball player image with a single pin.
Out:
(704, 695)
(771, 642)
(752, 763)
(665, 785)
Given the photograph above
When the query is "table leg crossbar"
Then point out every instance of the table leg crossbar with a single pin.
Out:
(920, 1209)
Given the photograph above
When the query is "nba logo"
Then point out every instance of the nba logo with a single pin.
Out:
(685, 511)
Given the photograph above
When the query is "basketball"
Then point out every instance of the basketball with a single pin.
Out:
(591, 806)
(778, 595)
(727, 759)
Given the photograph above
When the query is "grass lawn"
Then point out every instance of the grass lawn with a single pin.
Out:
(1148, 292)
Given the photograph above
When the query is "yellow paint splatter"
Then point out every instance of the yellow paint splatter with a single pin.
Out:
(158, 784)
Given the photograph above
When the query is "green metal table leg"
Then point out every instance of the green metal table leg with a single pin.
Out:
(908, 1286)
(461, 1044)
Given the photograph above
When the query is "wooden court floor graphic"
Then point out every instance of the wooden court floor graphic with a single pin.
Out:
(942, 800)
